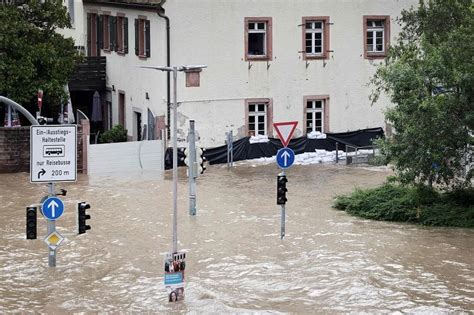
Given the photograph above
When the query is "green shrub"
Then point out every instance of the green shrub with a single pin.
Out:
(377, 160)
(116, 134)
(419, 204)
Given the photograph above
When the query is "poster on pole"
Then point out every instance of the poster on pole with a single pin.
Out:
(175, 264)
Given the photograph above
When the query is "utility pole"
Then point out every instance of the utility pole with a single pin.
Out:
(192, 168)
(174, 132)
(175, 160)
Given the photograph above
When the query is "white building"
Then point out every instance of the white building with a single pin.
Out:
(268, 61)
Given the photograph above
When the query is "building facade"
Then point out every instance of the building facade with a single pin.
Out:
(267, 61)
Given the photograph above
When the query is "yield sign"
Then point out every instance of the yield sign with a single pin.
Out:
(285, 131)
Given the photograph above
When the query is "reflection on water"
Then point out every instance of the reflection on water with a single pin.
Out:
(328, 262)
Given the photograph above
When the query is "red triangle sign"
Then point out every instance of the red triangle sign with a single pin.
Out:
(285, 130)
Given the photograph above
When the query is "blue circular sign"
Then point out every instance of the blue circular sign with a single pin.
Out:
(285, 158)
(52, 208)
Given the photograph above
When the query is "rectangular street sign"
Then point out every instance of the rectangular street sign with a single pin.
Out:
(53, 153)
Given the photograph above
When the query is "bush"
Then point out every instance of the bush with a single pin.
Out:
(116, 134)
(420, 204)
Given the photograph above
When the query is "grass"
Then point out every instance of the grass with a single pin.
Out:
(420, 205)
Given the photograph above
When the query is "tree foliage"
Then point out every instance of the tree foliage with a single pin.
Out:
(33, 55)
(429, 77)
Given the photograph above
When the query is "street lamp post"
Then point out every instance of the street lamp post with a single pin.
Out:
(174, 132)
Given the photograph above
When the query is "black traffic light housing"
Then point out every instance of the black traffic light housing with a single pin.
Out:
(82, 216)
(281, 189)
(31, 226)
(203, 166)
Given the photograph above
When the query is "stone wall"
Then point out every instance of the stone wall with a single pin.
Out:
(15, 149)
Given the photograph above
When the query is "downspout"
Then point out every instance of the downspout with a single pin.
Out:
(161, 13)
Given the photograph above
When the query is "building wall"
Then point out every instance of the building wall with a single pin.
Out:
(123, 72)
(78, 31)
(211, 32)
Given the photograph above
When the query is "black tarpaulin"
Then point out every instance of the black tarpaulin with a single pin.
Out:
(243, 150)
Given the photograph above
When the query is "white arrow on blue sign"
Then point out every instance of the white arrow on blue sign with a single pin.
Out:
(52, 208)
(285, 157)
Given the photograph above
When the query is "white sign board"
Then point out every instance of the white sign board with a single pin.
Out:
(53, 153)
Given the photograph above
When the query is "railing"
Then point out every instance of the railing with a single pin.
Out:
(355, 155)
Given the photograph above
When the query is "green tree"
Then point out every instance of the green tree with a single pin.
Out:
(429, 77)
(32, 54)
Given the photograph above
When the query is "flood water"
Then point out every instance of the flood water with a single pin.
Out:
(329, 262)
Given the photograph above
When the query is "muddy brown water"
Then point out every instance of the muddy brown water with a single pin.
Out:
(329, 262)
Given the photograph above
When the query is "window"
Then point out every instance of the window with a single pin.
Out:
(142, 37)
(115, 33)
(70, 7)
(315, 37)
(258, 38)
(258, 116)
(376, 36)
(316, 113)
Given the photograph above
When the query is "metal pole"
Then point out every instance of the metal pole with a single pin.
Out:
(283, 210)
(51, 229)
(192, 168)
(231, 140)
(175, 161)
(229, 147)
(337, 152)
(9, 118)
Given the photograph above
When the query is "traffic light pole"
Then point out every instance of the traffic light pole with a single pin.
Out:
(283, 214)
(192, 168)
(175, 160)
(51, 229)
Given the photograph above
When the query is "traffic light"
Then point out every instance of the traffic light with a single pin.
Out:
(200, 159)
(186, 156)
(281, 189)
(82, 217)
(31, 223)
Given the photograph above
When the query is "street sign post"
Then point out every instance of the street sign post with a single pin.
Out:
(285, 158)
(53, 155)
(52, 208)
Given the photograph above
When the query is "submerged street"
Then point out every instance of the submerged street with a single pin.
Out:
(329, 262)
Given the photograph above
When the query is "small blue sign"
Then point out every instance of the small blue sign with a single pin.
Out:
(52, 208)
(285, 157)
(173, 278)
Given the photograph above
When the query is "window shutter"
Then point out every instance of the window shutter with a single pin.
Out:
(97, 37)
(136, 37)
(100, 32)
(125, 35)
(89, 34)
(147, 38)
(113, 33)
